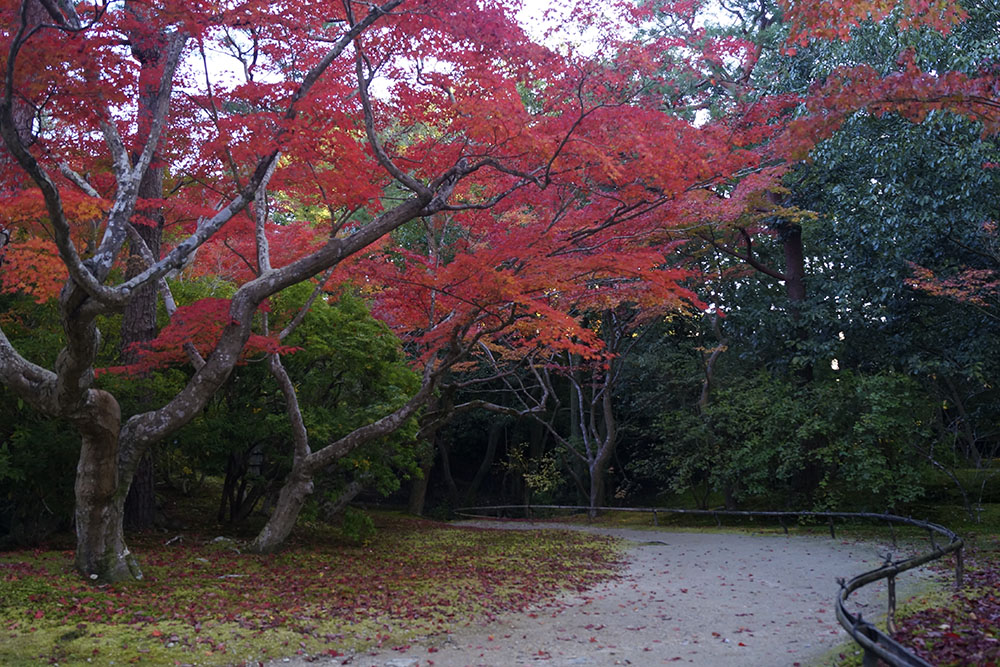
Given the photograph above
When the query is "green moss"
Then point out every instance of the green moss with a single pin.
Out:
(210, 605)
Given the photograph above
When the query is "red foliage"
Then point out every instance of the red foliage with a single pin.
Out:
(413, 573)
(32, 267)
(200, 324)
(963, 632)
(580, 181)
(834, 19)
(979, 287)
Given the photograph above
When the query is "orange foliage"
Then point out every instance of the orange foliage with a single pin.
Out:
(833, 19)
(32, 267)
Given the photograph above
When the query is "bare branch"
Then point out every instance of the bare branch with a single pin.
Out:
(78, 180)
(383, 158)
(747, 256)
(300, 436)
(168, 297)
(128, 183)
(176, 258)
(28, 381)
(304, 310)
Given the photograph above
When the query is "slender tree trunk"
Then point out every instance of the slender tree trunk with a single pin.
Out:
(349, 493)
(574, 402)
(296, 489)
(492, 440)
(299, 483)
(449, 479)
(709, 360)
(597, 476)
(603, 423)
(418, 487)
(598, 469)
(101, 553)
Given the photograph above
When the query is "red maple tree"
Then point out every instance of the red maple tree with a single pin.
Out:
(568, 176)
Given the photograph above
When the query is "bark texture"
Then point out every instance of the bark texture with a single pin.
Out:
(418, 487)
(101, 553)
(294, 493)
(139, 327)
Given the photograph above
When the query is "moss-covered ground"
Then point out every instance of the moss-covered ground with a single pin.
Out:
(204, 602)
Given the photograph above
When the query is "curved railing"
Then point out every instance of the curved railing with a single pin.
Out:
(875, 643)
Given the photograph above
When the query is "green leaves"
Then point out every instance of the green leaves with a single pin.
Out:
(846, 440)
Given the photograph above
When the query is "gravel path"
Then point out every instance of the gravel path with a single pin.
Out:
(708, 599)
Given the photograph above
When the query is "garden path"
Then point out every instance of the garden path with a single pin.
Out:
(695, 598)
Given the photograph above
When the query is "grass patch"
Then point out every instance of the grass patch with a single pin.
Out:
(202, 601)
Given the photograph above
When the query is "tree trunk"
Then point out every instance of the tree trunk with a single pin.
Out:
(140, 503)
(492, 440)
(597, 475)
(349, 493)
(575, 400)
(139, 320)
(795, 268)
(296, 489)
(418, 488)
(101, 553)
(442, 448)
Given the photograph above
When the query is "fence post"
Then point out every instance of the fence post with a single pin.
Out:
(890, 618)
(870, 658)
(833, 535)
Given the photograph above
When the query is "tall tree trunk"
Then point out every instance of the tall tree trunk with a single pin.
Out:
(139, 320)
(575, 434)
(603, 425)
(428, 432)
(795, 267)
(140, 504)
(598, 469)
(101, 553)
